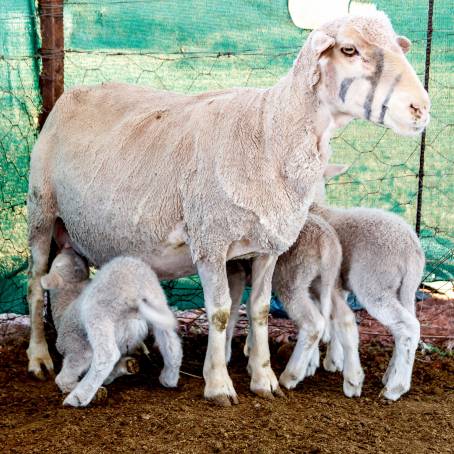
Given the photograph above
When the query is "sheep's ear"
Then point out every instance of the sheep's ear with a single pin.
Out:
(50, 281)
(333, 170)
(404, 43)
(320, 42)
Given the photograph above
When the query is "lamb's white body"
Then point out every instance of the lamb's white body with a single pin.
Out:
(100, 321)
(382, 265)
(305, 280)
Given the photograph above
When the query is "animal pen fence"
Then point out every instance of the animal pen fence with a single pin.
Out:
(196, 45)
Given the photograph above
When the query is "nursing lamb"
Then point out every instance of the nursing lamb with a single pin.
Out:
(188, 182)
(100, 321)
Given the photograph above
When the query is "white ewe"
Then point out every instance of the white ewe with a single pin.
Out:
(129, 168)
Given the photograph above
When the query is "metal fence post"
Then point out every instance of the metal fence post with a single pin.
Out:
(51, 79)
(423, 137)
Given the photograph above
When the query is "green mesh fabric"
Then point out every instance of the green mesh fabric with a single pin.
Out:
(196, 45)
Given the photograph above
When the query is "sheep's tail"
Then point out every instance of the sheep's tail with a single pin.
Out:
(160, 317)
(411, 280)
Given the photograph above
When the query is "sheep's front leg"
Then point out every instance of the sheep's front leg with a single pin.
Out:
(218, 385)
(263, 380)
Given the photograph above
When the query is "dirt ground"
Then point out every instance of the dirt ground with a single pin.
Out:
(142, 417)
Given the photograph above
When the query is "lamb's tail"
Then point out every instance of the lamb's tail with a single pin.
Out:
(411, 280)
(159, 316)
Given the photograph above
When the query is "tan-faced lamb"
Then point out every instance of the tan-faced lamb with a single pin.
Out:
(382, 265)
(128, 168)
(99, 321)
(306, 282)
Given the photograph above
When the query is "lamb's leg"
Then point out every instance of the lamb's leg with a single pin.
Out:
(105, 355)
(334, 358)
(40, 226)
(314, 362)
(218, 385)
(127, 365)
(237, 283)
(263, 380)
(346, 331)
(74, 365)
(404, 326)
(311, 325)
(169, 345)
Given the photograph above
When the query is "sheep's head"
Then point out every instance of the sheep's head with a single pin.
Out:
(364, 74)
(67, 268)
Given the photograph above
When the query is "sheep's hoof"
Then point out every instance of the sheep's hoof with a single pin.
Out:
(223, 401)
(269, 395)
(351, 389)
(288, 380)
(394, 393)
(279, 393)
(132, 366)
(330, 366)
(100, 396)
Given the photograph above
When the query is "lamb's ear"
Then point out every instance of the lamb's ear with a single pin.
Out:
(50, 281)
(333, 170)
(404, 43)
(320, 42)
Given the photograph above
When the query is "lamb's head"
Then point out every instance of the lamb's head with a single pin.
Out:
(67, 268)
(364, 74)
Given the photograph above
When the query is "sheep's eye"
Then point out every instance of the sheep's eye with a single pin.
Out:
(349, 51)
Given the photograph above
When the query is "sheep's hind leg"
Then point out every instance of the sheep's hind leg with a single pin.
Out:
(127, 365)
(404, 326)
(346, 331)
(169, 345)
(105, 355)
(263, 380)
(334, 358)
(218, 385)
(40, 225)
(311, 326)
(314, 362)
(74, 365)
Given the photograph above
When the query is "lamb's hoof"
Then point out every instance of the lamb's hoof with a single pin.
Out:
(330, 366)
(100, 396)
(169, 378)
(132, 366)
(223, 400)
(394, 393)
(311, 368)
(288, 380)
(246, 350)
(352, 389)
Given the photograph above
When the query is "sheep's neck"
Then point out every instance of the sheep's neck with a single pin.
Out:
(298, 120)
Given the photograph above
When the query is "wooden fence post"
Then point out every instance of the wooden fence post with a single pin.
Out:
(51, 79)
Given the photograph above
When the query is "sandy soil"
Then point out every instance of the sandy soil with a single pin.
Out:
(141, 416)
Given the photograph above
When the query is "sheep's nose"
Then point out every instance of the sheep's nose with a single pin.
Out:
(419, 111)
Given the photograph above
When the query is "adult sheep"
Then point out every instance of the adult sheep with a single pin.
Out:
(188, 182)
